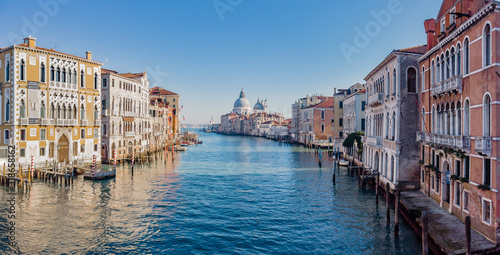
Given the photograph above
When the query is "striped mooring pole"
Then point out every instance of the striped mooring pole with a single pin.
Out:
(93, 164)
(133, 159)
(32, 169)
(114, 161)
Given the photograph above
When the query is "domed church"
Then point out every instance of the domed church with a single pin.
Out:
(260, 106)
(242, 105)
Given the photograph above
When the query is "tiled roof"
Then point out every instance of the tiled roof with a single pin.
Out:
(329, 103)
(417, 49)
(160, 91)
(132, 75)
(104, 70)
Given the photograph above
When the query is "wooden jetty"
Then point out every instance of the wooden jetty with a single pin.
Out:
(99, 175)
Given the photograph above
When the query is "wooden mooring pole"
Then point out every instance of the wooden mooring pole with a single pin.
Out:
(376, 187)
(387, 198)
(396, 213)
(468, 233)
(425, 230)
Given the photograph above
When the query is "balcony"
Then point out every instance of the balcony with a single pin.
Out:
(72, 122)
(374, 141)
(129, 134)
(447, 86)
(44, 122)
(376, 99)
(84, 122)
(97, 123)
(52, 122)
(483, 145)
(452, 141)
(60, 122)
(24, 121)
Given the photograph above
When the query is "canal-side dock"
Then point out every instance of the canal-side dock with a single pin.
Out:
(446, 230)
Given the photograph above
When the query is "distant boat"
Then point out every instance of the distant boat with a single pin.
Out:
(183, 147)
(343, 162)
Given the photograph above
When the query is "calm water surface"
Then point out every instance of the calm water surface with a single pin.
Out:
(231, 195)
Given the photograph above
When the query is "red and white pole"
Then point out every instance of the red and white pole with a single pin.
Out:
(133, 158)
(32, 170)
(114, 161)
(93, 164)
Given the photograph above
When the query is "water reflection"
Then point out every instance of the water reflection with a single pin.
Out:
(229, 195)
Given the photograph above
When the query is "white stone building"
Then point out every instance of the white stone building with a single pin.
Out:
(392, 115)
(354, 112)
(125, 114)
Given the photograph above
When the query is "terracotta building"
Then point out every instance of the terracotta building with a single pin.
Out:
(459, 96)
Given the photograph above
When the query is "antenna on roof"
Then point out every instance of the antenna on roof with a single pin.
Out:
(55, 46)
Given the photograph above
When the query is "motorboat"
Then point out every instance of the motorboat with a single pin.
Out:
(343, 162)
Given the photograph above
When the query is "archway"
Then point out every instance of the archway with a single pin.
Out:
(376, 160)
(63, 149)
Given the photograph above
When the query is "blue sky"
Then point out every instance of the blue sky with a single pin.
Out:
(281, 50)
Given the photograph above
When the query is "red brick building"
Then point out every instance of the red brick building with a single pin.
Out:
(460, 95)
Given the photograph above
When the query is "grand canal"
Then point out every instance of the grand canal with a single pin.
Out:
(236, 195)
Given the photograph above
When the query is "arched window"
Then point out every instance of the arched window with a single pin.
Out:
(52, 73)
(70, 77)
(467, 56)
(58, 74)
(22, 109)
(412, 80)
(448, 65)
(438, 68)
(95, 80)
(433, 81)
(64, 75)
(487, 45)
(322, 114)
(322, 127)
(453, 63)
(82, 112)
(74, 77)
(7, 71)
(22, 70)
(104, 103)
(82, 79)
(433, 120)
(52, 111)
(42, 110)
(459, 60)
(487, 116)
(104, 128)
(423, 78)
(63, 115)
(422, 116)
(7, 110)
(388, 86)
(74, 112)
(443, 70)
(394, 81)
(58, 111)
(393, 126)
(42, 72)
(95, 113)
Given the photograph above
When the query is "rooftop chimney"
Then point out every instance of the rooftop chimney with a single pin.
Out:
(430, 29)
(30, 41)
(88, 55)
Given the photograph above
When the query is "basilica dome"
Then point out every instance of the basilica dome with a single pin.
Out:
(242, 105)
(258, 107)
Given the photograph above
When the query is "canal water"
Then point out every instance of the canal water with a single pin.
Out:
(230, 195)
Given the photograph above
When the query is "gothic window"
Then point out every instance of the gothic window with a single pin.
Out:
(22, 70)
(42, 72)
(467, 56)
(412, 80)
(487, 116)
(487, 45)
